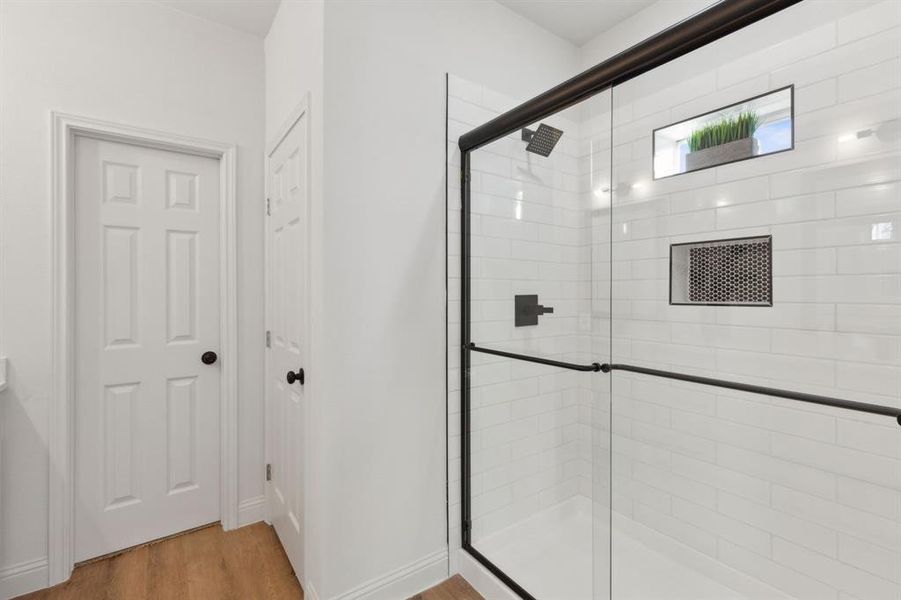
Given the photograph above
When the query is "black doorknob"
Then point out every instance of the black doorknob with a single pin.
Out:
(208, 357)
(292, 376)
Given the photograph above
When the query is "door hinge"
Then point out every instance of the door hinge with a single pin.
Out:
(467, 525)
(268, 339)
(268, 208)
(268, 472)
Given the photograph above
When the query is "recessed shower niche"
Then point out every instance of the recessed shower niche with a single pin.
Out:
(754, 127)
(734, 272)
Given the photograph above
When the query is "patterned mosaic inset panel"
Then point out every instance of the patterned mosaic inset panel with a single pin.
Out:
(731, 272)
(736, 272)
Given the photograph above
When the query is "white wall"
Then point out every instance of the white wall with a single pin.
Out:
(638, 27)
(383, 376)
(293, 49)
(140, 64)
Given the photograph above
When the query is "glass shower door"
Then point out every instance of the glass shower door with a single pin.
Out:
(722, 233)
(537, 493)
(756, 221)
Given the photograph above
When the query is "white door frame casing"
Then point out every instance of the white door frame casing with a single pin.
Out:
(61, 436)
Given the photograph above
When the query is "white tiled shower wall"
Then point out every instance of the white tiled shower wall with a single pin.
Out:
(597, 192)
(531, 233)
(805, 498)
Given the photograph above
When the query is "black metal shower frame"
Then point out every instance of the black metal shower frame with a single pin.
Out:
(718, 21)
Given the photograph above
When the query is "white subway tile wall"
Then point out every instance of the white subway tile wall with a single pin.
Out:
(532, 233)
(540, 435)
(806, 499)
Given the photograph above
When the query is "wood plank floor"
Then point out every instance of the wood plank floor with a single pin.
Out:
(455, 588)
(206, 564)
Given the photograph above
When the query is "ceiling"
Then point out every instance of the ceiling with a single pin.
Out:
(250, 16)
(576, 21)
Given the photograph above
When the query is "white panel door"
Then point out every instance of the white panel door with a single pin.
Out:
(287, 306)
(146, 308)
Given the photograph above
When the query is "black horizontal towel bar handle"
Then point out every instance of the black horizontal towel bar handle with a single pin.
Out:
(540, 361)
(865, 407)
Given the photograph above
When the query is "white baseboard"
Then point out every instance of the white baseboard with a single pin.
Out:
(309, 592)
(453, 559)
(22, 578)
(404, 582)
(482, 579)
(251, 510)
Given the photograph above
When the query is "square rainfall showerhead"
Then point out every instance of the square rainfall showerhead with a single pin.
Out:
(542, 140)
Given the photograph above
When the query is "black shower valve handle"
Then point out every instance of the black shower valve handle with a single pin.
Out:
(527, 310)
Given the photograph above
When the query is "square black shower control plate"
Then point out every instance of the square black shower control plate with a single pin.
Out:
(526, 310)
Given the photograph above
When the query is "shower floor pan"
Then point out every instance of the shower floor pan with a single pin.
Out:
(550, 555)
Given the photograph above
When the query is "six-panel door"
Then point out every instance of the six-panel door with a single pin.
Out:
(287, 280)
(147, 308)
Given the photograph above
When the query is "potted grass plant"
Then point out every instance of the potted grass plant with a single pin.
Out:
(723, 141)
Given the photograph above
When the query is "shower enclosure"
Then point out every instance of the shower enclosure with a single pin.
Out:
(680, 321)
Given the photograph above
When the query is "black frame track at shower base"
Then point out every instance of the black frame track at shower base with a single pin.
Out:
(718, 21)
